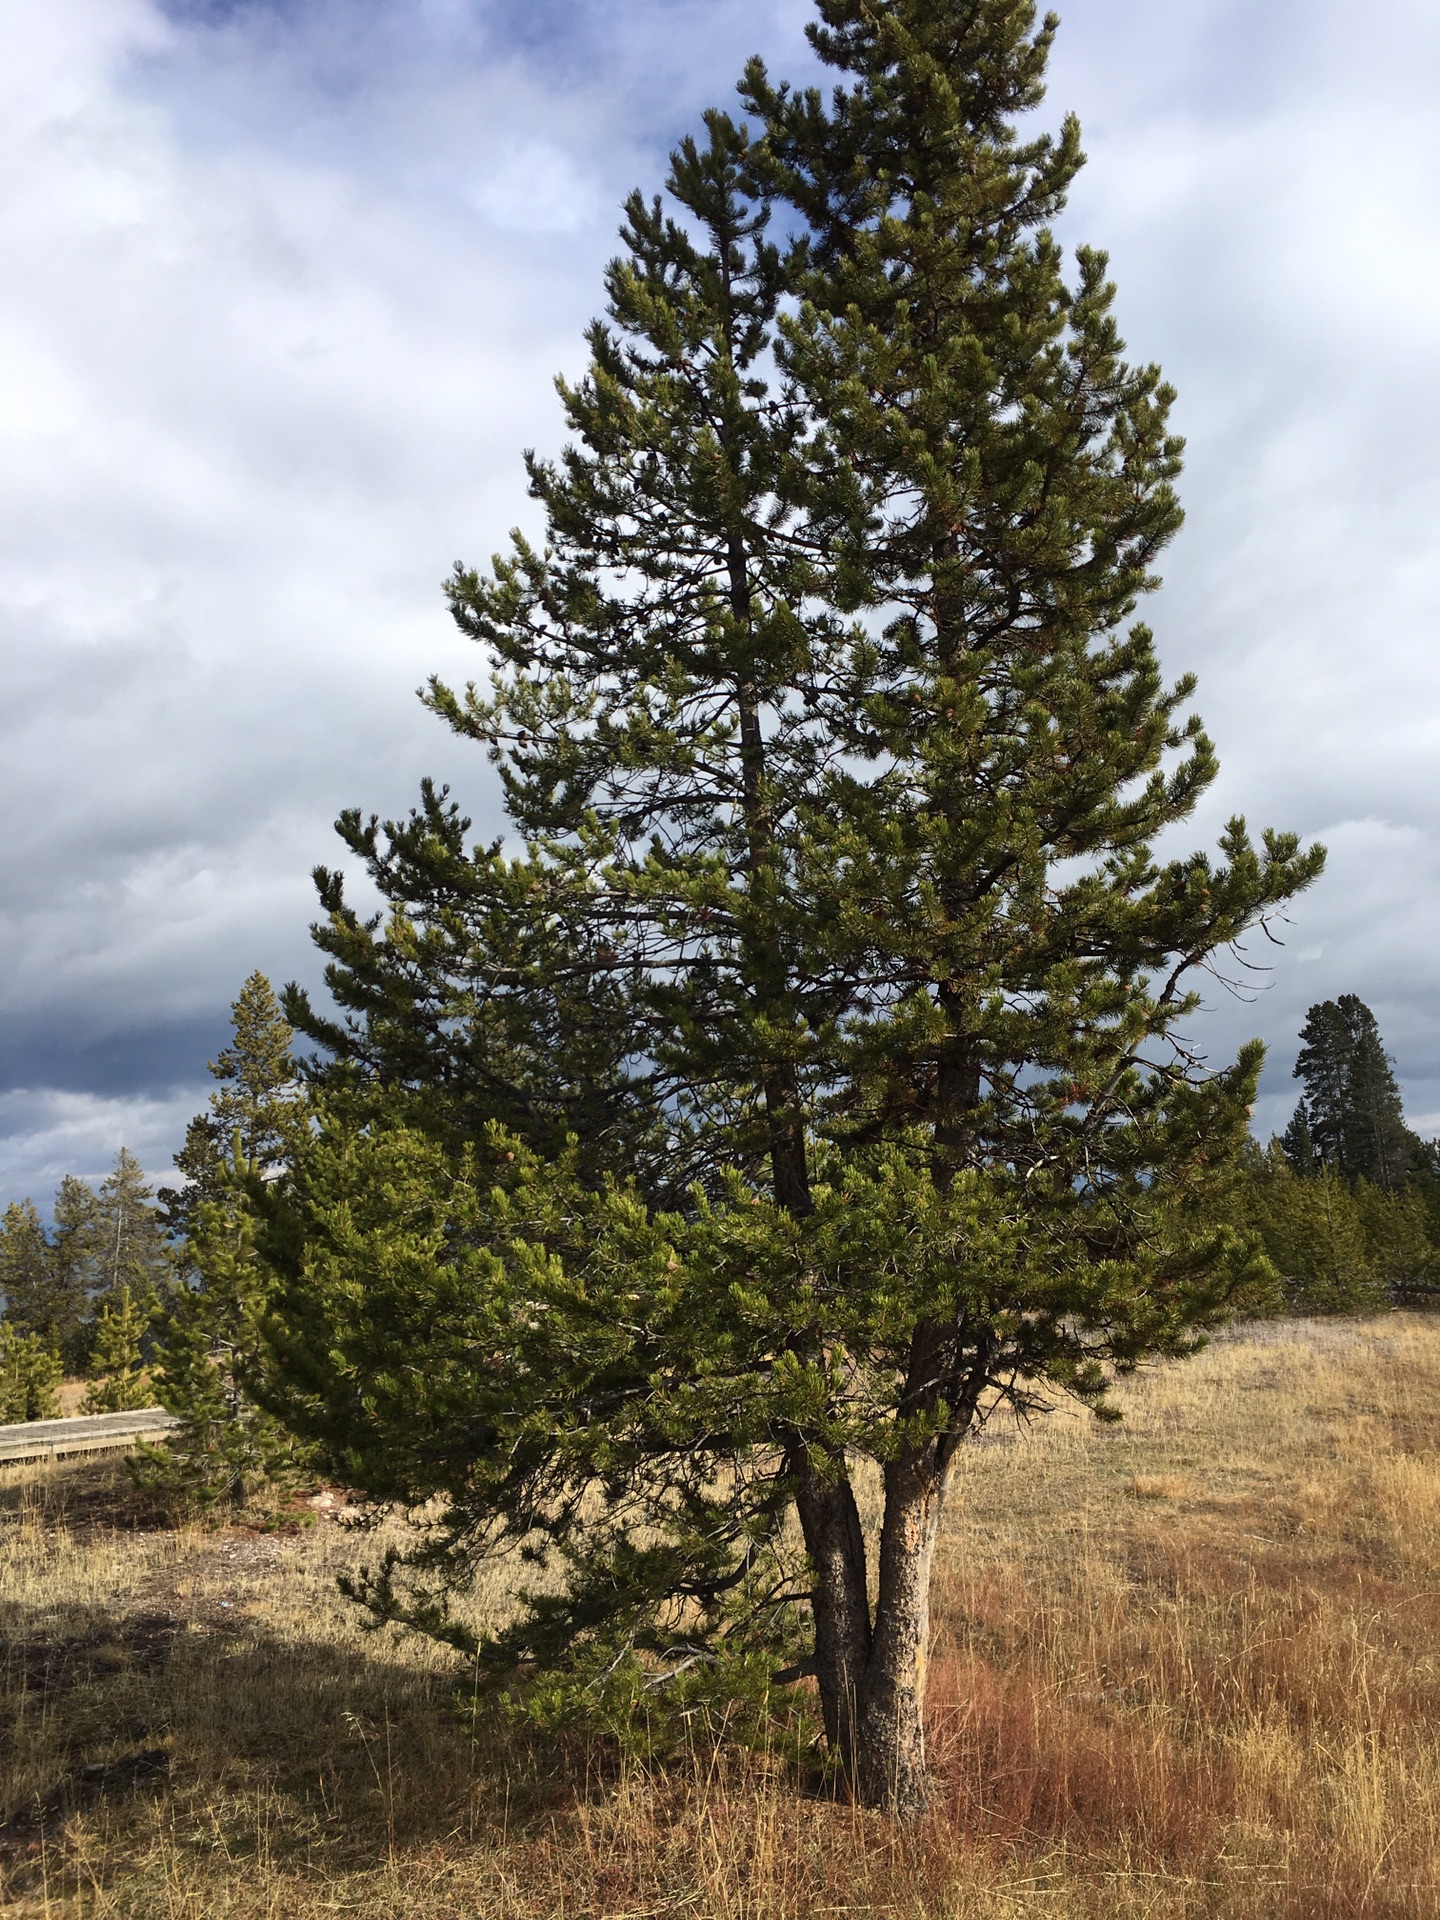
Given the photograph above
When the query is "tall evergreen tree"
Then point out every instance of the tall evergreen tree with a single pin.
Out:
(131, 1247)
(24, 1257)
(837, 768)
(1352, 1109)
(253, 1113)
(36, 1301)
(209, 1341)
(76, 1265)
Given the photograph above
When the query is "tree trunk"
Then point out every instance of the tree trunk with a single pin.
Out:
(872, 1678)
(890, 1766)
(789, 1159)
(835, 1541)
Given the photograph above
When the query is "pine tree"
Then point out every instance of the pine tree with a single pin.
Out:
(131, 1248)
(836, 766)
(209, 1341)
(29, 1376)
(254, 1112)
(36, 1301)
(76, 1267)
(1352, 1107)
(994, 485)
(1379, 1147)
(116, 1372)
(24, 1261)
(1298, 1146)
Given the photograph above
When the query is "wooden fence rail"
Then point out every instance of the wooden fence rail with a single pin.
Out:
(89, 1433)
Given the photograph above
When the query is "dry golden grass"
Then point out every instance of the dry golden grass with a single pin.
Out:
(1188, 1668)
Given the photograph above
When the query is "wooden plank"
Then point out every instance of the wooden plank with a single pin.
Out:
(87, 1433)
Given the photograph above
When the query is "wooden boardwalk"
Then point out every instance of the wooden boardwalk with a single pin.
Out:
(87, 1433)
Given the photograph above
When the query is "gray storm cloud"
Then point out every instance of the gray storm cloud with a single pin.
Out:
(284, 294)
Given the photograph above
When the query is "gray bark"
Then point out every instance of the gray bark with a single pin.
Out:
(871, 1675)
(890, 1762)
(835, 1541)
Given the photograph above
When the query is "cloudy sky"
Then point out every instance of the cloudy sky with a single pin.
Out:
(282, 287)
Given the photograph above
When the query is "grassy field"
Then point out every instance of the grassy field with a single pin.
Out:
(1191, 1667)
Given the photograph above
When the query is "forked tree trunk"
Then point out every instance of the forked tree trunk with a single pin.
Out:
(871, 1673)
(890, 1768)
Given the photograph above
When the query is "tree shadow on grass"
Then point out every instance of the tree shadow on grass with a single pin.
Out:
(247, 1742)
(215, 1717)
(91, 1494)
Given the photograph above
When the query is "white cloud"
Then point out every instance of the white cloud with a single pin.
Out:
(1266, 182)
(255, 406)
(45, 1134)
(283, 295)
(535, 188)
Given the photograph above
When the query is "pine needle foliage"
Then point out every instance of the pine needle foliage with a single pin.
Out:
(118, 1382)
(1326, 1241)
(834, 757)
(210, 1343)
(1351, 1118)
(30, 1374)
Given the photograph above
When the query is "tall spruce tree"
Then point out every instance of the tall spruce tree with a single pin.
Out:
(1351, 1110)
(36, 1299)
(209, 1342)
(836, 766)
(253, 1113)
(76, 1266)
(129, 1245)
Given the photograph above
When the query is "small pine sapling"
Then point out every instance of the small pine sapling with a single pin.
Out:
(29, 1376)
(118, 1383)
